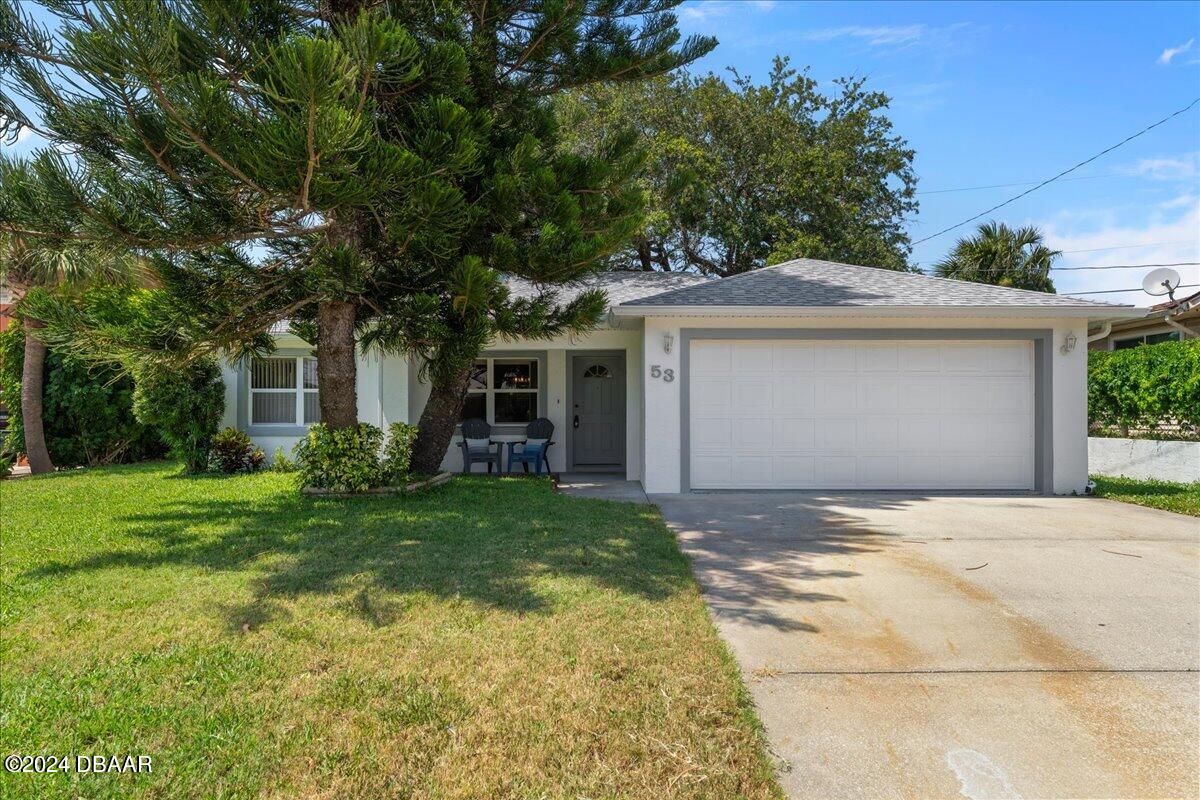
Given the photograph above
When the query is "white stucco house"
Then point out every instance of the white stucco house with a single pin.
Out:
(806, 375)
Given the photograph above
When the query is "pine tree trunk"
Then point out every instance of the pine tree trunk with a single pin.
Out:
(336, 367)
(438, 420)
(31, 400)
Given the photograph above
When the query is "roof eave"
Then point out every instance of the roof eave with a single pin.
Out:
(1085, 312)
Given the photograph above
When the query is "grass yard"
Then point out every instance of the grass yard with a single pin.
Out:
(1182, 498)
(489, 639)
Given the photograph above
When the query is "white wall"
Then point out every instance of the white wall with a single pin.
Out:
(1145, 459)
(1068, 375)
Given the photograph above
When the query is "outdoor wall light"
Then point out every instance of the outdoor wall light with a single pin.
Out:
(668, 342)
(1068, 345)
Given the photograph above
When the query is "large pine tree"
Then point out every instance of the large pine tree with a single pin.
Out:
(270, 159)
(537, 211)
(369, 169)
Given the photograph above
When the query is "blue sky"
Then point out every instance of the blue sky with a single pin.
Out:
(996, 93)
(1000, 93)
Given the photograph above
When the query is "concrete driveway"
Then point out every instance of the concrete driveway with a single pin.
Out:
(986, 647)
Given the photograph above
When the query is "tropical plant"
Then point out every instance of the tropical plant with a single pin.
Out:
(87, 415)
(233, 451)
(742, 175)
(22, 269)
(340, 459)
(1002, 256)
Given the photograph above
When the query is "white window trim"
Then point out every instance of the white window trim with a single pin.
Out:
(490, 391)
(299, 390)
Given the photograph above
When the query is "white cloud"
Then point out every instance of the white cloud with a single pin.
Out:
(873, 35)
(1171, 234)
(707, 9)
(1170, 168)
(1171, 52)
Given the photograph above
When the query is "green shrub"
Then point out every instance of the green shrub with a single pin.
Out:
(280, 461)
(1144, 387)
(87, 409)
(232, 451)
(397, 453)
(342, 460)
(6, 464)
(185, 406)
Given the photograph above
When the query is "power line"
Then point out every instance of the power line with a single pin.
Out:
(1022, 183)
(1134, 289)
(1147, 129)
(1132, 266)
(1130, 246)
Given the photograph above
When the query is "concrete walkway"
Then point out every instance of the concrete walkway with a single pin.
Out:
(986, 647)
(601, 486)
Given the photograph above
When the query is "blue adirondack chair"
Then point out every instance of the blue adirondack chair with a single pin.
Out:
(534, 449)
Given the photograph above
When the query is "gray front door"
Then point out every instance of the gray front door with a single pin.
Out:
(598, 413)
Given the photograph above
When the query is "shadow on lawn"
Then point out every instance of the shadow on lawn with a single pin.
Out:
(486, 541)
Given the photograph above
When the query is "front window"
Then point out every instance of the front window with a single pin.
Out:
(283, 391)
(503, 391)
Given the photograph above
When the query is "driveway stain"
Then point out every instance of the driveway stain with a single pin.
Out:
(979, 776)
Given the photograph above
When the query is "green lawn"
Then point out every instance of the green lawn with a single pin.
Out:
(488, 639)
(1183, 498)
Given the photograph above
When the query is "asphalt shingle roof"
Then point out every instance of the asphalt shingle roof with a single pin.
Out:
(812, 283)
(620, 286)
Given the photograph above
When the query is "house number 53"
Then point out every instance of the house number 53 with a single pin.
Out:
(667, 374)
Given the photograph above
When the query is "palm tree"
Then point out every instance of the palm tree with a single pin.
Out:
(23, 269)
(1001, 256)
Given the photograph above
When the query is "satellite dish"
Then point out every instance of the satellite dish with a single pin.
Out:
(1163, 280)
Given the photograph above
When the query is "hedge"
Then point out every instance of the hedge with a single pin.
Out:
(1147, 387)
(87, 409)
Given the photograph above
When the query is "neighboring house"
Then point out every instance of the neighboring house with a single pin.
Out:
(806, 375)
(1152, 327)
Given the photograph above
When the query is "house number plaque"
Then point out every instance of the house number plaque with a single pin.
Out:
(667, 374)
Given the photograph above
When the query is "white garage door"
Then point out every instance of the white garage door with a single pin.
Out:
(861, 415)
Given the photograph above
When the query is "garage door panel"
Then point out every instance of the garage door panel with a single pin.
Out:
(965, 358)
(917, 433)
(711, 358)
(836, 434)
(879, 395)
(712, 394)
(753, 395)
(916, 357)
(921, 471)
(872, 415)
(919, 394)
(794, 358)
(836, 358)
(753, 434)
(793, 471)
(790, 394)
(752, 471)
(879, 358)
(960, 434)
(753, 358)
(709, 433)
(794, 433)
(837, 394)
(713, 471)
(835, 471)
(1009, 394)
(878, 433)
(1005, 357)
